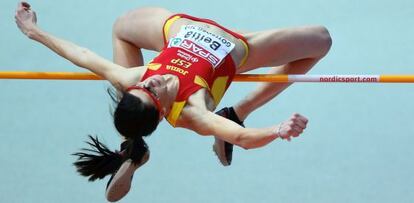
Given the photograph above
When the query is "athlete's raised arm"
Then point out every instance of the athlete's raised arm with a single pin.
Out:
(80, 56)
(205, 122)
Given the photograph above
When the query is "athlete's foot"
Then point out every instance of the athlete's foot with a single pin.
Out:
(120, 182)
(223, 149)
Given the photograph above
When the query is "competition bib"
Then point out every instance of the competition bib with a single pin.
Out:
(209, 46)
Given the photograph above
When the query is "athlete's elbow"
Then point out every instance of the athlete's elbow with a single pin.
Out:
(245, 145)
(203, 131)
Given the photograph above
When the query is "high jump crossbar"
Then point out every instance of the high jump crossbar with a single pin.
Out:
(238, 78)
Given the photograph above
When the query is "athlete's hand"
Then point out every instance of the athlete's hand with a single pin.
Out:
(25, 18)
(292, 127)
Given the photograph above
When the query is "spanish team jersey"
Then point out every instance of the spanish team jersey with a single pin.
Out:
(199, 59)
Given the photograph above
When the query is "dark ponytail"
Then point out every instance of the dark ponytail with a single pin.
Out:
(136, 149)
(100, 161)
(134, 120)
(97, 162)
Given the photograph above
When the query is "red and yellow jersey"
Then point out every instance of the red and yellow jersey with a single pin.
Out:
(199, 59)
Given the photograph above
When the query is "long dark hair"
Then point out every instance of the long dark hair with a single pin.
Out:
(134, 120)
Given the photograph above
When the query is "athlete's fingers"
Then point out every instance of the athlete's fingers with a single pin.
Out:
(297, 121)
(294, 133)
(20, 10)
(34, 17)
(298, 130)
(300, 123)
(295, 115)
(25, 4)
(303, 119)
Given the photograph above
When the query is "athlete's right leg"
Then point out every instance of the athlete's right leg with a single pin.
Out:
(289, 51)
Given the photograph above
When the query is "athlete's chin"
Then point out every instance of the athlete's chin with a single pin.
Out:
(159, 80)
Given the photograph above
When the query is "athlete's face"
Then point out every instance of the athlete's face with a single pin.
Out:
(152, 90)
(158, 86)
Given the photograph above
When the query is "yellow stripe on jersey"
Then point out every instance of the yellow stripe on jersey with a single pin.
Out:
(175, 112)
(154, 66)
(246, 54)
(219, 88)
(167, 26)
(200, 81)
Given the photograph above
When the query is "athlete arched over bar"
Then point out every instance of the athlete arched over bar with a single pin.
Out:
(184, 83)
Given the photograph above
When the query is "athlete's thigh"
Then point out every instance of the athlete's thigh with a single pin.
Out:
(281, 46)
(143, 27)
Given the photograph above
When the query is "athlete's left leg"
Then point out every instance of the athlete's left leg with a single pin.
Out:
(266, 91)
(292, 51)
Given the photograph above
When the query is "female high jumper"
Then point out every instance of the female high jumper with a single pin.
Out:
(197, 61)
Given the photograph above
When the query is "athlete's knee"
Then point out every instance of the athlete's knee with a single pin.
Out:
(123, 22)
(323, 39)
(117, 25)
